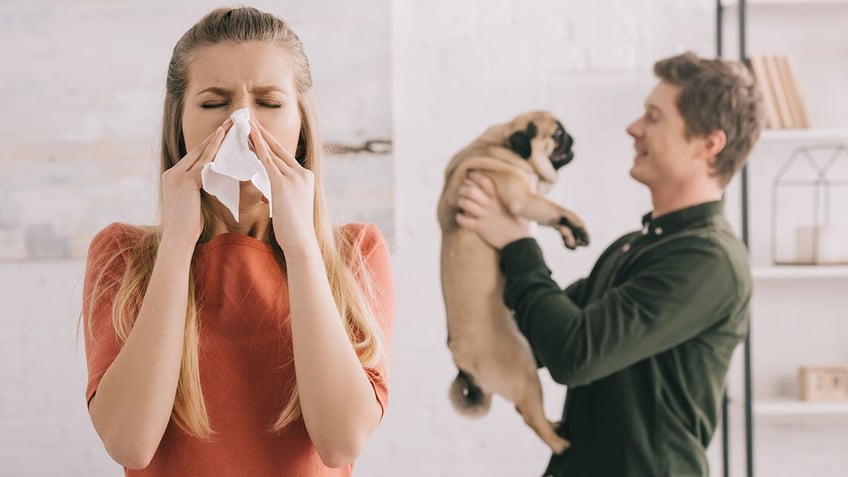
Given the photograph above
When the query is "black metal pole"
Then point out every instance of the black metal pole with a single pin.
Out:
(749, 418)
(725, 426)
(719, 28)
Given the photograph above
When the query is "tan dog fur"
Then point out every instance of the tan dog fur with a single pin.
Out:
(487, 347)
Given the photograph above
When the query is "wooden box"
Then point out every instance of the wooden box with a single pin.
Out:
(823, 383)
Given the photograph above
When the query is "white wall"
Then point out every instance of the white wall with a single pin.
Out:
(456, 68)
(461, 66)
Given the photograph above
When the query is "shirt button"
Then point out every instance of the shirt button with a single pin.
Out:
(644, 230)
(625, 248)
(658, 230)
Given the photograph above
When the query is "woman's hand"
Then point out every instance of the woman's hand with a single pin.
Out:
(182, 221)
(292, 191)
(481, 211)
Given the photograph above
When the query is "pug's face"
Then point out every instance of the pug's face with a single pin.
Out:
(542, 140)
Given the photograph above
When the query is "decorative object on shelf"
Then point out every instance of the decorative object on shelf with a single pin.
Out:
(823, 383)
(775, 75)
(806, 228)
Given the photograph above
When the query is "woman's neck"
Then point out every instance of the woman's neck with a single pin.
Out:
(253, 221)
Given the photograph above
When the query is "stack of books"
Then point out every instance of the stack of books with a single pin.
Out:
(775, 75)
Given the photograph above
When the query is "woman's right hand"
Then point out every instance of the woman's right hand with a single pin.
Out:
(182, 221)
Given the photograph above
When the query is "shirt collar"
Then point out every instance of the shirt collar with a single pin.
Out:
(681, 218)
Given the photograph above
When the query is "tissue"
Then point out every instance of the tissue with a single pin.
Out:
(233, 163)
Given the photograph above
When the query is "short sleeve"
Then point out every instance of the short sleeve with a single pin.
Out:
(105, 267)
(381, 293)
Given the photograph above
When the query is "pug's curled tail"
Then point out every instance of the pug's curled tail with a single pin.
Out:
(468, 398)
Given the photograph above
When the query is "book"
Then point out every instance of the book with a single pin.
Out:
(781, 93)
(758, 67)
(796, 102)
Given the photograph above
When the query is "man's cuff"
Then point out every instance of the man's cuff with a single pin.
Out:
(520, 256)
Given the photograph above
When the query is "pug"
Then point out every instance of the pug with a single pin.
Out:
(522, 158)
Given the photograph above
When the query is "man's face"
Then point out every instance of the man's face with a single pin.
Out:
(665, 158)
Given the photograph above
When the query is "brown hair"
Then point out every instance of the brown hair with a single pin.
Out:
(717, 94)
(242, 25)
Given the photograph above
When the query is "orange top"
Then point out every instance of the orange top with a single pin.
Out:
(246, 357)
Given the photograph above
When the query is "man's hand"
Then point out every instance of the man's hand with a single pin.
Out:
(481, 211)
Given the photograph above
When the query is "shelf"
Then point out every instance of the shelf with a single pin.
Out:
(791, 3)
(795, 135)
(800, 271)
(794, 407)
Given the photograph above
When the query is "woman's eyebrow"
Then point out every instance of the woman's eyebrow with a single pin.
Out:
(216, 90)
(256, 90)
(268, 89)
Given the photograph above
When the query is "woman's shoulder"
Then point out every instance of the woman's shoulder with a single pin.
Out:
(366, 237)
(117, 236)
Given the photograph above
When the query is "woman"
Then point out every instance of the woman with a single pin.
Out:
(255, 346)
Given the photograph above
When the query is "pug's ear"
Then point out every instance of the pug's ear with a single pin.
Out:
(532, 130)
(520, 143)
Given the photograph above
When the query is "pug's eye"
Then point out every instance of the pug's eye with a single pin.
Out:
(559, 133)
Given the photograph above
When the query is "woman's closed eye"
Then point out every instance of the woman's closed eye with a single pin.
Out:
(264, 104)
(270, 104)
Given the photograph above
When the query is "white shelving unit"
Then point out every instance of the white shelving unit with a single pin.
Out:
(793, 3)
(798, 312)
(775, 407)
(798, 408)
(800, 272)
(803, 135)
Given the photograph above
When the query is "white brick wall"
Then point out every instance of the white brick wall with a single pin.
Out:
(456, 68)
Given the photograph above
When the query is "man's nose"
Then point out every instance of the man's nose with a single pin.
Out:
(635, 128)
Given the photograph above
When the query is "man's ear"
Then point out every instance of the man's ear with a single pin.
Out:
(714, 143)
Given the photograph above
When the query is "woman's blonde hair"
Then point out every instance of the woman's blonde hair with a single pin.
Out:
(242, 25)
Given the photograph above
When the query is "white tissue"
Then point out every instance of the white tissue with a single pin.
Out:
(235, 162)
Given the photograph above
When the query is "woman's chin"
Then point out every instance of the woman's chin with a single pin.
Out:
(253, 205)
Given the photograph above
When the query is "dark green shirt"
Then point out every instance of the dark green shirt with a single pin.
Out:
(643, 344)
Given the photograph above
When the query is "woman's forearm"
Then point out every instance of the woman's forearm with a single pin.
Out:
(135, 397)
(339, 406)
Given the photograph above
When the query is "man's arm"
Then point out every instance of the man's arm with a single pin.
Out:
(575, 291)
(672, 297)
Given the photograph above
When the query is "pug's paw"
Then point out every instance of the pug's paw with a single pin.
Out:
(573, 233)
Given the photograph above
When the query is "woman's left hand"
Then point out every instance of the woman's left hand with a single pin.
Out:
(292, 191)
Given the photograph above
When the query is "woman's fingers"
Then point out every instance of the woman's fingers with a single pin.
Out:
(189, 159)
(192, 157)
(275, 146)
(209, 151)
(263, 152)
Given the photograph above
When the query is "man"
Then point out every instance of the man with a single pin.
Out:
(644, 342)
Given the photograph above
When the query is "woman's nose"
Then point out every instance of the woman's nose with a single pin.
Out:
(242, 103)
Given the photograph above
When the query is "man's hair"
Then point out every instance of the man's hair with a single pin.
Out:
(717, 94)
